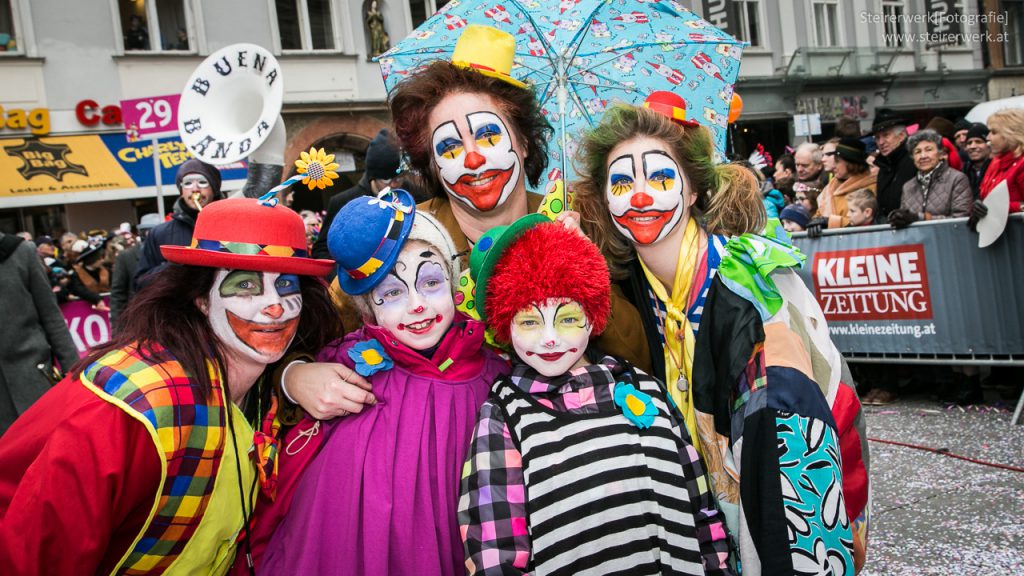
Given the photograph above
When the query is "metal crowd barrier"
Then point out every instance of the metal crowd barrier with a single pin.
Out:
(924, 294)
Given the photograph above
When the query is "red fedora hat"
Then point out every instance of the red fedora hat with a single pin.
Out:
(243, 234)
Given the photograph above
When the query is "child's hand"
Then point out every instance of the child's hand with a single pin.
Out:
(327, 391)
(571, 220)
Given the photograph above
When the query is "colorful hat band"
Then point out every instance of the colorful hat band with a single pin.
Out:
(674, 113)
(387, 245)
(248, 248)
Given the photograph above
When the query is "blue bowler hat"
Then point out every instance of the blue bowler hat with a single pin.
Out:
(366, 237)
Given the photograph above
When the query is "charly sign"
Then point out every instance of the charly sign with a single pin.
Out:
(231, 103)
(924, 290)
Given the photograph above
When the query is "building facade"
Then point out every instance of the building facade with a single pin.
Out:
(923, 58)
(65, 66)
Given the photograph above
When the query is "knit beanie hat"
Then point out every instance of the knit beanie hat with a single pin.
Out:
(427, 228)
(977, 130)
(795, 213)
(382, 156)
(194, 166)
(961, 124)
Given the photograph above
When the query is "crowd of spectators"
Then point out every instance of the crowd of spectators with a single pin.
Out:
(899, 174)
(944, 170)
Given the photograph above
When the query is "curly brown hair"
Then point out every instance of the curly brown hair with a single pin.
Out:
(728, 196)
(414, 99)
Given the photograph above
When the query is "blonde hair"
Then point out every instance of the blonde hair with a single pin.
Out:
(728, 196)
(1011, 126)
(863, 199)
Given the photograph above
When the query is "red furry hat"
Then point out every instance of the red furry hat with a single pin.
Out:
(548, 261)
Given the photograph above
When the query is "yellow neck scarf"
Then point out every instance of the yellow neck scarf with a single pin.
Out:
(679, 338)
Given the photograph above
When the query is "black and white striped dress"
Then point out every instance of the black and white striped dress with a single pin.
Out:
(603, 496)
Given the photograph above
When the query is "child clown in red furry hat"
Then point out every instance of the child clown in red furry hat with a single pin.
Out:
(579, 461)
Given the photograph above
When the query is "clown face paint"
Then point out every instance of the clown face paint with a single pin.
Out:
(414, 301)
(645, 190)
(551, 337)
(255, 313)
(478, 161)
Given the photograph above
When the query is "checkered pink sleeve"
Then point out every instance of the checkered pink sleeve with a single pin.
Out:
(492, 507)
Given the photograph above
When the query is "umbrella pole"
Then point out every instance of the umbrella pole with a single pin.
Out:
(563, 95)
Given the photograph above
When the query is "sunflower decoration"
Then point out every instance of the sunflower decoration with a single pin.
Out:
(318, 168)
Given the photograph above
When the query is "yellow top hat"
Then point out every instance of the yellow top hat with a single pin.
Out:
(487, 50)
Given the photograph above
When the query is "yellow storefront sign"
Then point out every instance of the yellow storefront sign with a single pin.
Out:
(30, 167)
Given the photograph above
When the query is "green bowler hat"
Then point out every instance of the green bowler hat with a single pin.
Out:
(488, 250)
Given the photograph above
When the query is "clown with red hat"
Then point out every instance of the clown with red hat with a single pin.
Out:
(148, 457)
(578, 458)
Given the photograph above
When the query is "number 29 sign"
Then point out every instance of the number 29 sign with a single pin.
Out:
(152, 117)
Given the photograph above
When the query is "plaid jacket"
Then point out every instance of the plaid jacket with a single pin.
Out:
(188, 433)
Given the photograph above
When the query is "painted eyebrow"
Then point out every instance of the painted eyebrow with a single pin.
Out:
(425, 262)
(469, 120)
(632, 166)
(433, 135)
(657, 153)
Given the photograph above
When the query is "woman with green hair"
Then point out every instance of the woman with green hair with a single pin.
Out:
(745, 352)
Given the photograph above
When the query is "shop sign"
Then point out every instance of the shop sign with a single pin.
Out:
(832, 108)
(721, 13)
(89, 113)
(37, 120)
(44, 159)
(152, 117)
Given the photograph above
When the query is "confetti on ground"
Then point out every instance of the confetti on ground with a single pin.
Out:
(936, 515)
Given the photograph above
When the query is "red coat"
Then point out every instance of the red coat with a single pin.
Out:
(73, 500)
(1007, 167)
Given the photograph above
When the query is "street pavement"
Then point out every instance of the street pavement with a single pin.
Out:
(933, 514)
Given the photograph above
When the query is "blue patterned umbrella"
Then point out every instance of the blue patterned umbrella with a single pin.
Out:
(580, 56)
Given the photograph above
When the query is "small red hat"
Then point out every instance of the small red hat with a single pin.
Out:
(244, 234)
(548, 261)
(670, 105)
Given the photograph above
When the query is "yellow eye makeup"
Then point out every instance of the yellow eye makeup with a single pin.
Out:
(488, 136)
(663, 180)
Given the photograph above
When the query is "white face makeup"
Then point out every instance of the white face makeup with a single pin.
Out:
(477, 160)
(645, 190)
(255, 314)
(414, 301)
(551, 337)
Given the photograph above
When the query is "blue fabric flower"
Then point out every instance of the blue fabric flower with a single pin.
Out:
(370, 357)
(636, 405)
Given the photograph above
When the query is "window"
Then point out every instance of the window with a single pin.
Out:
(155, 25)
(1013, 48)
(9, 37)
(305, 24)
(420, 10)
(826, 22)
(892, 23)
(748, 21)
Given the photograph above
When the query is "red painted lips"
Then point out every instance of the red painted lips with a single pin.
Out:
(484, 189)
(645, 225)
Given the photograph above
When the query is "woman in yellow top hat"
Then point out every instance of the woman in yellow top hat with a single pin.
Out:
(478, 137)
